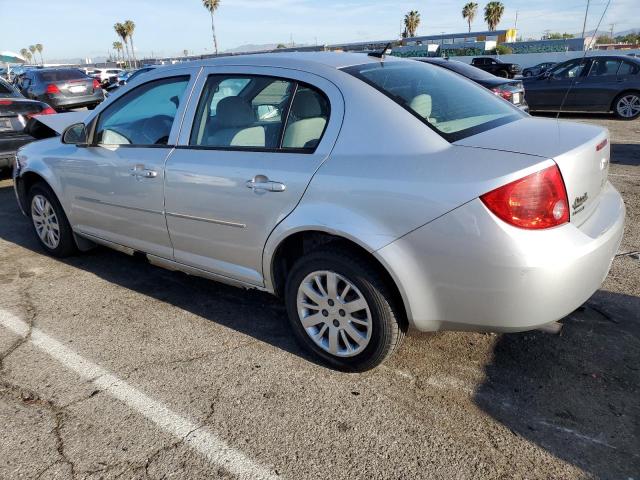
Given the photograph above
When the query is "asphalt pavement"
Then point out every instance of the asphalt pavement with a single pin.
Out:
(112, 368)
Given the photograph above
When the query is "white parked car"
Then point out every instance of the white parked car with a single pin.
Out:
(371, 194)
(106, 74)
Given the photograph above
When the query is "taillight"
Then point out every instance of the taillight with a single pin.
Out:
(534, 202)
(506, 94)
(52, 88)
(96, 84)
(45, 111)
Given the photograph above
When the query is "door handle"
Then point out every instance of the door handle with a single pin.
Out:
(140, 172)
(262, 183)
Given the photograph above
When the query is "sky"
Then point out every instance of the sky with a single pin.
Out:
(84, 28)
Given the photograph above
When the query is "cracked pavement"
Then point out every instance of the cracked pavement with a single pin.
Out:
(448, 405)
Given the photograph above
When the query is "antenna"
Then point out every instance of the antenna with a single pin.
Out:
(584, 56)
(386, 51)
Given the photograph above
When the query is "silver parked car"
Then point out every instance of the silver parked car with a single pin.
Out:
(372, 194)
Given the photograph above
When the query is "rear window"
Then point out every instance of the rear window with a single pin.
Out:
(6, 90)
(61, 75)
(451, 105)
(465, 70)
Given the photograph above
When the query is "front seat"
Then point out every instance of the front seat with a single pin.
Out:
(305, 131)
(234, 125)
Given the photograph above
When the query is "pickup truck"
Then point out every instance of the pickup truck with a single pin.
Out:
(497, 67)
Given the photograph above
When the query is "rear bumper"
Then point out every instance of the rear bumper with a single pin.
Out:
(468, 270)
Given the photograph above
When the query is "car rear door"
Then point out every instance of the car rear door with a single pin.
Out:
(237, 172)
(115, 185)
(596, 90)
(555, 89)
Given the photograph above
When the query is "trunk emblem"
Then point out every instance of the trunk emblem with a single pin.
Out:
(579, 201)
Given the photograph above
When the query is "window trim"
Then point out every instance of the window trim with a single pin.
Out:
(279, 149)
(96, 120)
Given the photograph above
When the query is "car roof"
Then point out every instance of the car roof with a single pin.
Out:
(335, 60)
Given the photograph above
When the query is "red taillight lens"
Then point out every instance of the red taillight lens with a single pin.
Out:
(96, 84)
(506, 94)
(534, 202)
(52, 88)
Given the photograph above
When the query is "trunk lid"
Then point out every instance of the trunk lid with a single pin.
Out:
(14, 113)
(582, 152)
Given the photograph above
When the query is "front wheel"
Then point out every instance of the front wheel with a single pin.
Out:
(503, 74)
(50, 222)
(341, 310)
(627, 106)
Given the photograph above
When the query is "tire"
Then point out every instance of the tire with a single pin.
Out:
(503, 74)
(65, 245)
(376, 342)
(626, 106)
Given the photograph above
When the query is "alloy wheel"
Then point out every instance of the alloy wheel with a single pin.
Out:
(334, 313)
(45, 221)
(628, 106)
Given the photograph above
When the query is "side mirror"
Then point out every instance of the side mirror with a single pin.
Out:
(75, 134)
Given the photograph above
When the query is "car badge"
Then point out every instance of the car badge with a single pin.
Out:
(579, 201)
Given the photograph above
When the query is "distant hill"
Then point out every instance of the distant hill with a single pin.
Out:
(250, 47)
(604, 31)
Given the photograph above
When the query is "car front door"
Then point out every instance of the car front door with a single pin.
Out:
(115, 184)
(254, 138)
(556, 87)
(596, 90)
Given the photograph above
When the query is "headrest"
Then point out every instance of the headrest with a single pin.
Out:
(234, 112)
(421, 104)
(306, 105)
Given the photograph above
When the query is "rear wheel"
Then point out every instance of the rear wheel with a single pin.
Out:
(50, 222)
(503, 74)
(627, 105)
(341, 310)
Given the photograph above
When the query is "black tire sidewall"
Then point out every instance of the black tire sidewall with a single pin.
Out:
(67, 245)
(382, 313)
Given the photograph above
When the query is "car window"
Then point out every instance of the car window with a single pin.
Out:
(307, 119)
(468, 71)
(144, 116)
(601, 67)
(628, 68)
(61, 75)
(451, 105)
(241, 112)
(570, 69)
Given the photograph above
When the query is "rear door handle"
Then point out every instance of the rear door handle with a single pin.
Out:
(262, 183)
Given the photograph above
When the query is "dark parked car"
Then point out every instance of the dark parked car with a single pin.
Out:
(605, 83)
(511, 90)
(497, 67)
(62, 88)
(537, 69)
(126, 77)
(15, 112)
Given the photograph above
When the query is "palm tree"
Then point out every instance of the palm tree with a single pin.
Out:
(469, 12)
(212, 6)
(185, 52)
(411, 22)
(493, 14)
(122, 33)
(117, 46)
(130, 27)
(32, 49)
(25, 53)
(39, 49)
(28, 55)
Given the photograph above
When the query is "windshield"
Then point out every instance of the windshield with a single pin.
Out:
(451, 105)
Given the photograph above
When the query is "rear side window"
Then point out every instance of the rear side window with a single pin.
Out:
(602, 67)
(61, 75)
(144, 116)
(259, 113)
(449, 104)
(628, 68)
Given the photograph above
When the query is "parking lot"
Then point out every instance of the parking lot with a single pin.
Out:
(112, 368)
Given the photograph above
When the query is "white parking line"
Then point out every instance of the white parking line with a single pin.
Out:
(195, 436)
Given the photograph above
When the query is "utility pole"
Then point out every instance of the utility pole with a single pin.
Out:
(515, 26)
(612, 25)
(584, 25)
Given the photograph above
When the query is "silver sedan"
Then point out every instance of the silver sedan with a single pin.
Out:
(371, 194)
